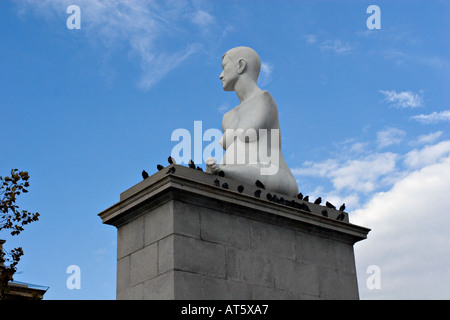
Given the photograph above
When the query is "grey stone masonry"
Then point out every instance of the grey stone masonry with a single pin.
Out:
(179, 236)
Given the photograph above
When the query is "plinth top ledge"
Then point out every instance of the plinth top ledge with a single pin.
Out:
(191, 185)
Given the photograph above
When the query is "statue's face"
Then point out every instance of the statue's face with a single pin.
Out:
(229, 74)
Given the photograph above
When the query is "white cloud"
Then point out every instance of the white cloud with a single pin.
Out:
(310, 38)
(156, 66)
(435, 62)
(404, 99)
(142, 26)
(405, 203)
(409, 237)
(359, 147)
(223, 108)
(352, 148)
(202, 18)
(404, 58)
(428, 138)
(389, 137)
(336, 46)
(433, 117)
(320, 169)
(266, 73)
(427, 155)
(362, 175)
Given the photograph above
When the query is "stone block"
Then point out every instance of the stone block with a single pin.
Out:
(317, 250)
(249, 266)
(230, 230)
(198, 256)
(186, 219)
(329, 286)
(123, 273)
(130, 237)
(158, 223)
(144, 264)
(215, 288)
(345, 257)
(188, 286)
(161, 287)
(347, 283)
(269, 293)
(272, 239)
(166, 254)
(297, 277)
(238, 290)
(132, 293)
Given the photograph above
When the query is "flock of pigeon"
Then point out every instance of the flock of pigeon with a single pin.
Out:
(257, 193)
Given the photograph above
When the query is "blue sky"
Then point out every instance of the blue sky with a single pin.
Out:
(364, 115)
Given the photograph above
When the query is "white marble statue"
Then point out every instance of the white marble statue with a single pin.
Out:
(251, 138)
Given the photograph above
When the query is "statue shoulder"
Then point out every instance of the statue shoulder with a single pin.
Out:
(267, 97)
(266, 94)
(267, 101)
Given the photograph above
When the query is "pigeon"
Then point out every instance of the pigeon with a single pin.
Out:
(342, 208)
(300, 196)
(302, 206)
(259, 184)
(240, 188)
(281, 201)
(257, 193)
(341, 216)
(144, 174)
(318, 200)
(306, 199)
(217, 183)
(159, 167)
(171, 160)
(275, 198)
(329, 205)
(199, 168)
(325, 213)
(191, 164)
(269, 196)
(171, 170)
(221, 174)
(225, 186)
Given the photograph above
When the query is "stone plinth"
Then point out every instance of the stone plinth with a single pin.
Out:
(181, 237)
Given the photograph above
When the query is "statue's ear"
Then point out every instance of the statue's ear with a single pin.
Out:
(241, 65)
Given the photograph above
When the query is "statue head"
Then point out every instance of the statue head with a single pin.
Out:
(239, 62)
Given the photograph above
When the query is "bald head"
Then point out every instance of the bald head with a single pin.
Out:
(251, 58)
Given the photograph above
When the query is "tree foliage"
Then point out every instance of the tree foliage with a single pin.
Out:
(13, 220)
